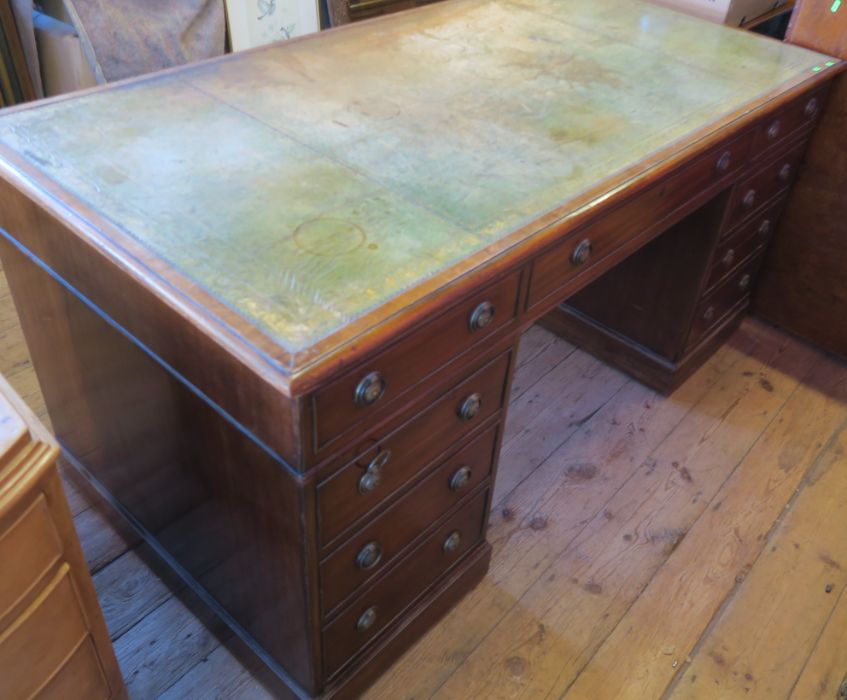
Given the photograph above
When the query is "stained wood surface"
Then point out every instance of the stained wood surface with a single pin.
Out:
(643, 546)
(306, 208)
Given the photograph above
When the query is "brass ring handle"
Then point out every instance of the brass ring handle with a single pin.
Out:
(811, 108)
(366, 619)
(460, 478)
(581, 253)
(785, 173)
(729, 257)
(372, 478)
(724, 162)
(471, 406)
(369, 556)
(481, 316)
(744, 282)
(451, 544)
(749, 199)
(369, 389)
(774, 129)
(709, 314)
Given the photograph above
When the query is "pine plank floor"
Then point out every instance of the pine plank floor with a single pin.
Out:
(691, 546)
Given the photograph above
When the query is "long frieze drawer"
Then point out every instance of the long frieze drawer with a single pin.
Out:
(389, 463)
(714, 307)
(374, 610)
(554, 269)
(743, 242)
(358, 394)
(798, 114)
(376, 546)
(37, 644)
(749, 194)
(33, 544)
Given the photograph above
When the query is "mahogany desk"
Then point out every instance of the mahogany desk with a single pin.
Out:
(273, 300)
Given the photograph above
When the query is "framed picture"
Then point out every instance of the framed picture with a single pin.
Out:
(257, 22)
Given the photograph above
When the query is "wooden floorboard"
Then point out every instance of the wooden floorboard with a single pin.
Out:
(690, 546)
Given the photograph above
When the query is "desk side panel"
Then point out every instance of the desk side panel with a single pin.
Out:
(231, 516)
(251, 396)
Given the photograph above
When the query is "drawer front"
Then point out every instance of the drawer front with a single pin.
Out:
(715, 306)
(373, 611)
(552, 270)
(37, 644)
(360, 393)
(797, 115)
(376, 546)
(34, 545)
(743, 242)
(763, 185)
(81, 678)
(385, 465)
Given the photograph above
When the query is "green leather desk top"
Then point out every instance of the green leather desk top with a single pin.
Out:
(307, 184)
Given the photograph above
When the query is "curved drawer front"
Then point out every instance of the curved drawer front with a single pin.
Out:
(35, 647)
(376, 546)
(375, 609)
(365, 391)
(387, 464)
(33, 544)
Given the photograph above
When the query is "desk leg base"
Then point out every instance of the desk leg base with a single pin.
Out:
(653, 370)
(416, 622)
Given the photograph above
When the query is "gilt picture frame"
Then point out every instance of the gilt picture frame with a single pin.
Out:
(257, 22)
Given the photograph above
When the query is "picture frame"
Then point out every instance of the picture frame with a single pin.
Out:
(258, 22)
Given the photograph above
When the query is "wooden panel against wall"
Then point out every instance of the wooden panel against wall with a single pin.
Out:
(803, 285)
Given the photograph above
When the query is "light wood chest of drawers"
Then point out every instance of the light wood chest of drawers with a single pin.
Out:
(53, 641)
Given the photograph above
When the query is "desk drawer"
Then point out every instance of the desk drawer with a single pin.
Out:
(714, 307)
(798, 114)
(555, 268)
(37, 644)
(743, 242)
(374, 610)
(360, 393)
(377, 545)
(763, 185)
(33, 544)
(385, 465)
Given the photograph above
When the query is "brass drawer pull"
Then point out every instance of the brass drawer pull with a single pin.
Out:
(470, 406)
(369, 556)
(765, 228)
(749, 199)
(372, 478)
(451, 544)
(785, 173)
(709, 314)
(724, 162)
(728, 258)
(482, 315)
(369, 389)
(774, 129)
(581, 253)
(744, 282)
(366, 619)
(460, 479)
(811, 108)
